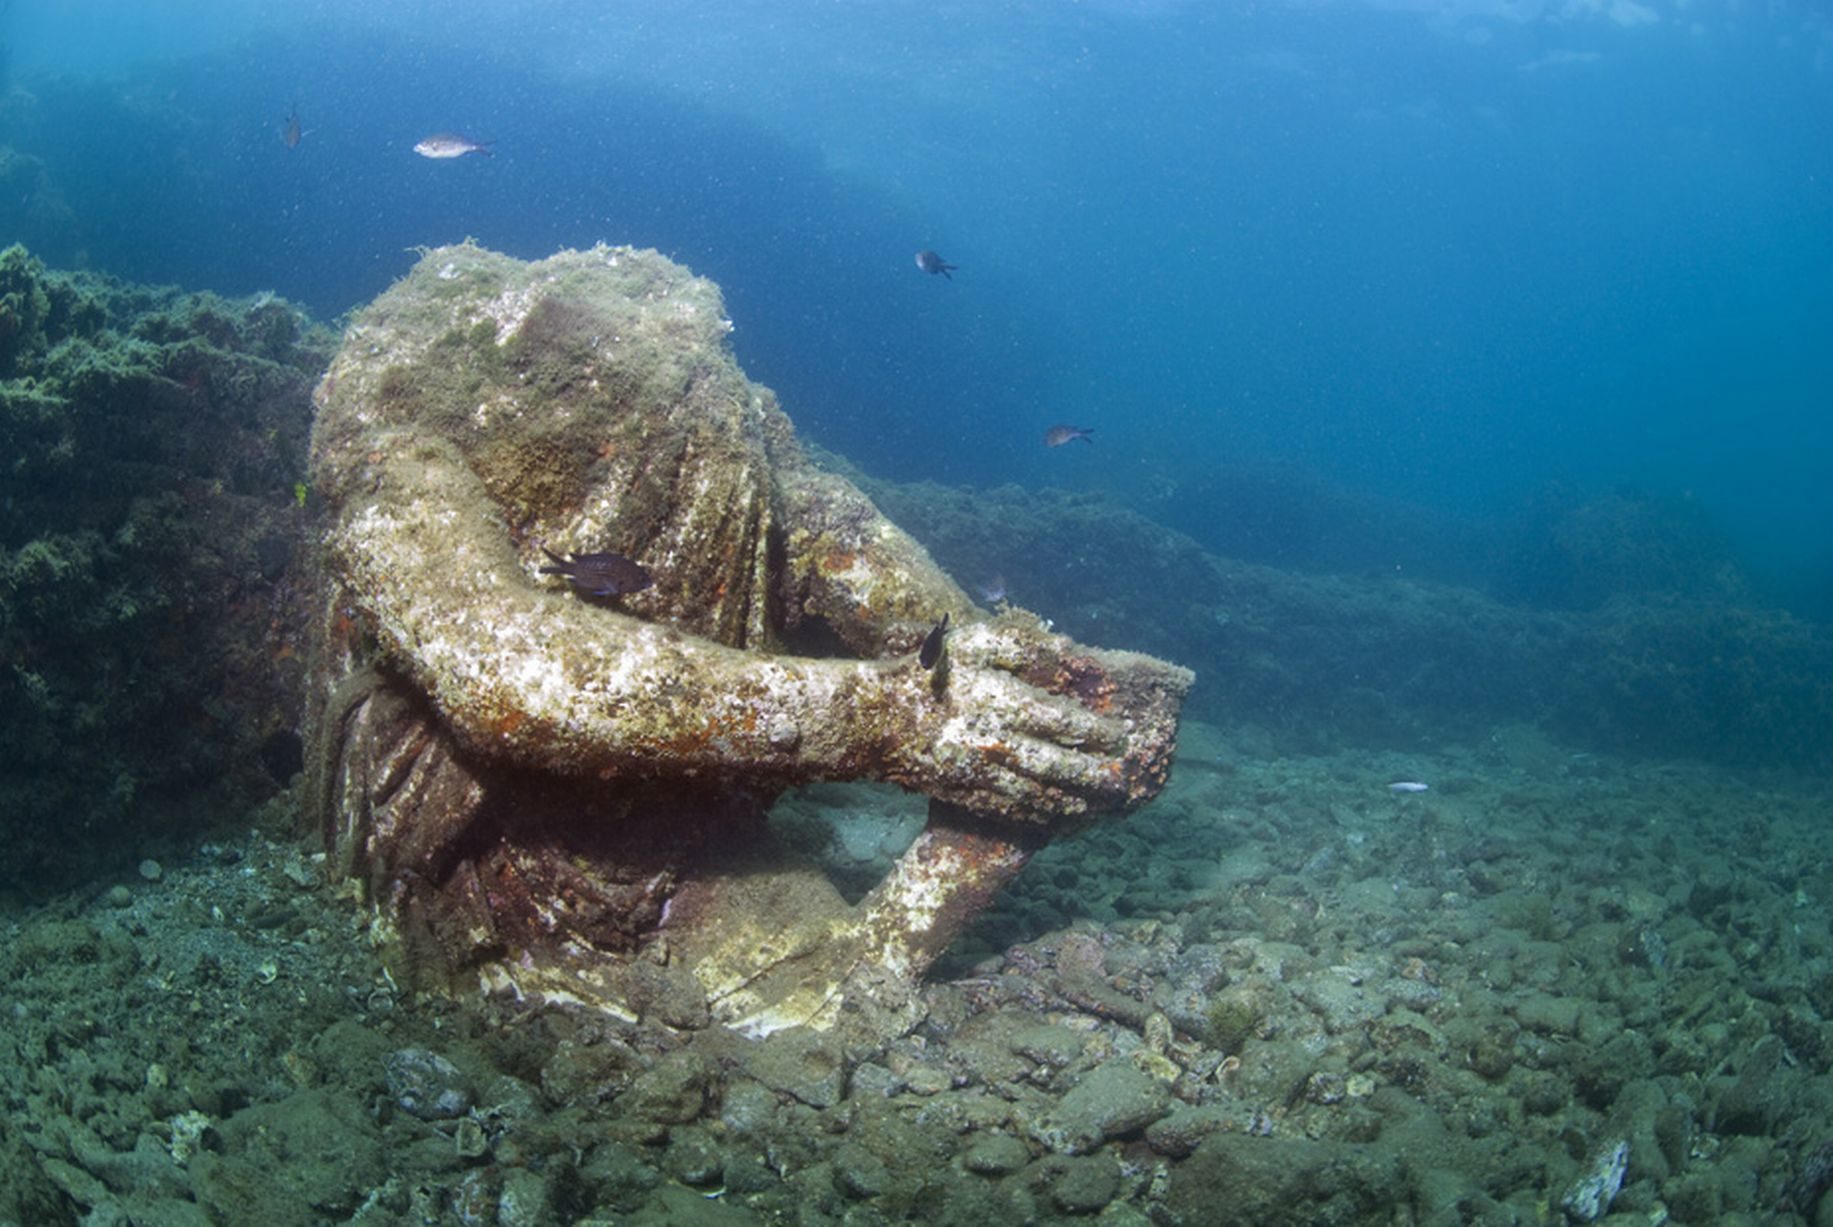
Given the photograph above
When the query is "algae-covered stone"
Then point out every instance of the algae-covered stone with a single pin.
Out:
(995, 1154)
(1084, 1184)
(427, 1085)
(1547, 1014)
(806, 1065)
(309, 1156)
(1113, 1101)
(1235, 1180)
(150, 442)
(1234, 1016)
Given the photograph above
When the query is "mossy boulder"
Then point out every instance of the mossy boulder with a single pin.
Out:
(150, 445)
(36, 309)
(1234, 1017)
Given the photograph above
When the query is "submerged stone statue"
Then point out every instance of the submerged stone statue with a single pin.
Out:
(558, 789)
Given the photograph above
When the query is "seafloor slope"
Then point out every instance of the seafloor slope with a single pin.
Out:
(1282, 994)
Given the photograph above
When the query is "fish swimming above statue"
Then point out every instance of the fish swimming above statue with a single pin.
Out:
(603, 574)
(450, 145)
(1057, 436)
(932, 263)
(930, 654)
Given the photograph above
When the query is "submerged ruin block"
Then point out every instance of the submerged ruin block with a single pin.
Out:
(553, 791)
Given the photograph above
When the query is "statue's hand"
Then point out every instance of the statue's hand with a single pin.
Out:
(1026, 725)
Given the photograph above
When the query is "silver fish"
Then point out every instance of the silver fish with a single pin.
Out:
(450, 145)
(1408, 786)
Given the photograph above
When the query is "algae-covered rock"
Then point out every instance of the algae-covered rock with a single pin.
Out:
(1113, 1101)
(1232, 1019)
(1234, 1178)
(312, 1155)
(151, 443)
(39, 214)
(548, 786)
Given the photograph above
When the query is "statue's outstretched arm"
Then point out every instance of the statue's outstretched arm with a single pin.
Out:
(1013, 722)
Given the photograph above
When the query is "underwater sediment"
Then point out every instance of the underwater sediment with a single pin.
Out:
(1280, 995)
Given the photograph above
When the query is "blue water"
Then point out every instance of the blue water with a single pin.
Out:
(1448, 256)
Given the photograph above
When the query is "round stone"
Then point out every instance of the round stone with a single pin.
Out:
(996, 1154)
(1085, 1185)
(470, 1139)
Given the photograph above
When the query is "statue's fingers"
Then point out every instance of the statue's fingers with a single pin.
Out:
(1073, 726)
(1054, 766)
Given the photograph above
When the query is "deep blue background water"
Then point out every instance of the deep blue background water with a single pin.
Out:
(1446, 255)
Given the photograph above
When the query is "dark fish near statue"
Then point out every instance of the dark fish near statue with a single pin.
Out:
(930, 654)
(604, 574)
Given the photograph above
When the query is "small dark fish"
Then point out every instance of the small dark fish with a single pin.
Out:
(932, 262)
(605, 574)
(451, 145)
(1057, 436)
(290, 132)
(931, 652)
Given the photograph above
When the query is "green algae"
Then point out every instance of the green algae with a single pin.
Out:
(151, 440)
(1233, 1018)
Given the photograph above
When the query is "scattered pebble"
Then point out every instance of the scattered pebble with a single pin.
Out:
(470, 1140)
(427, 1085)
(1189, 1009)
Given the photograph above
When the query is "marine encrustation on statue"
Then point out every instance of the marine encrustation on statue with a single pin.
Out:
(587, 609)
